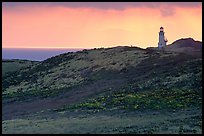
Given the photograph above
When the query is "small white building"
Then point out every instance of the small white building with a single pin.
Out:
(162, 39)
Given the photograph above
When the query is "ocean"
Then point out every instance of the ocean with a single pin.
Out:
(37, 54)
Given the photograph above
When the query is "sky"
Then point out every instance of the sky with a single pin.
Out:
(97, 24)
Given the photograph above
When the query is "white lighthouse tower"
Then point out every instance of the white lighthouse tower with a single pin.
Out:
(162, 39)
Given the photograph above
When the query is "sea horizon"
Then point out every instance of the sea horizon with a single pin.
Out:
(35, 54)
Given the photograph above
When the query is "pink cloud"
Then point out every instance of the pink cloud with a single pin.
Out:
(58, 26)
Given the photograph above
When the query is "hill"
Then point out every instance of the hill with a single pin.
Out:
(186, 45)
(110, 84)
(187, 42)
(15, 65)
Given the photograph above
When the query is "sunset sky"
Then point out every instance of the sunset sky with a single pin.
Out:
(97, 24)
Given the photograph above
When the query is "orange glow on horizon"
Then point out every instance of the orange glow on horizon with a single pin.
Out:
(63, 27)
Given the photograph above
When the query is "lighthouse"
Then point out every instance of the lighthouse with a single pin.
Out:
(162, 39)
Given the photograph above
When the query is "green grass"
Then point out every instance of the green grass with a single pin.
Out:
(163, 99)
(122, 63)
(27, 95)
(183, 122)
(114, 90)
(69, 69)
(14, 65)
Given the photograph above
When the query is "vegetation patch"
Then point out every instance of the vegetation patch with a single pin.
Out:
(174, 99)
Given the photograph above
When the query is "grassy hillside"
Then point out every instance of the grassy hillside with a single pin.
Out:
(69, 70)
(14, 65)
(106, 84)
(72, 69)
(186, 45)
(181, 122)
